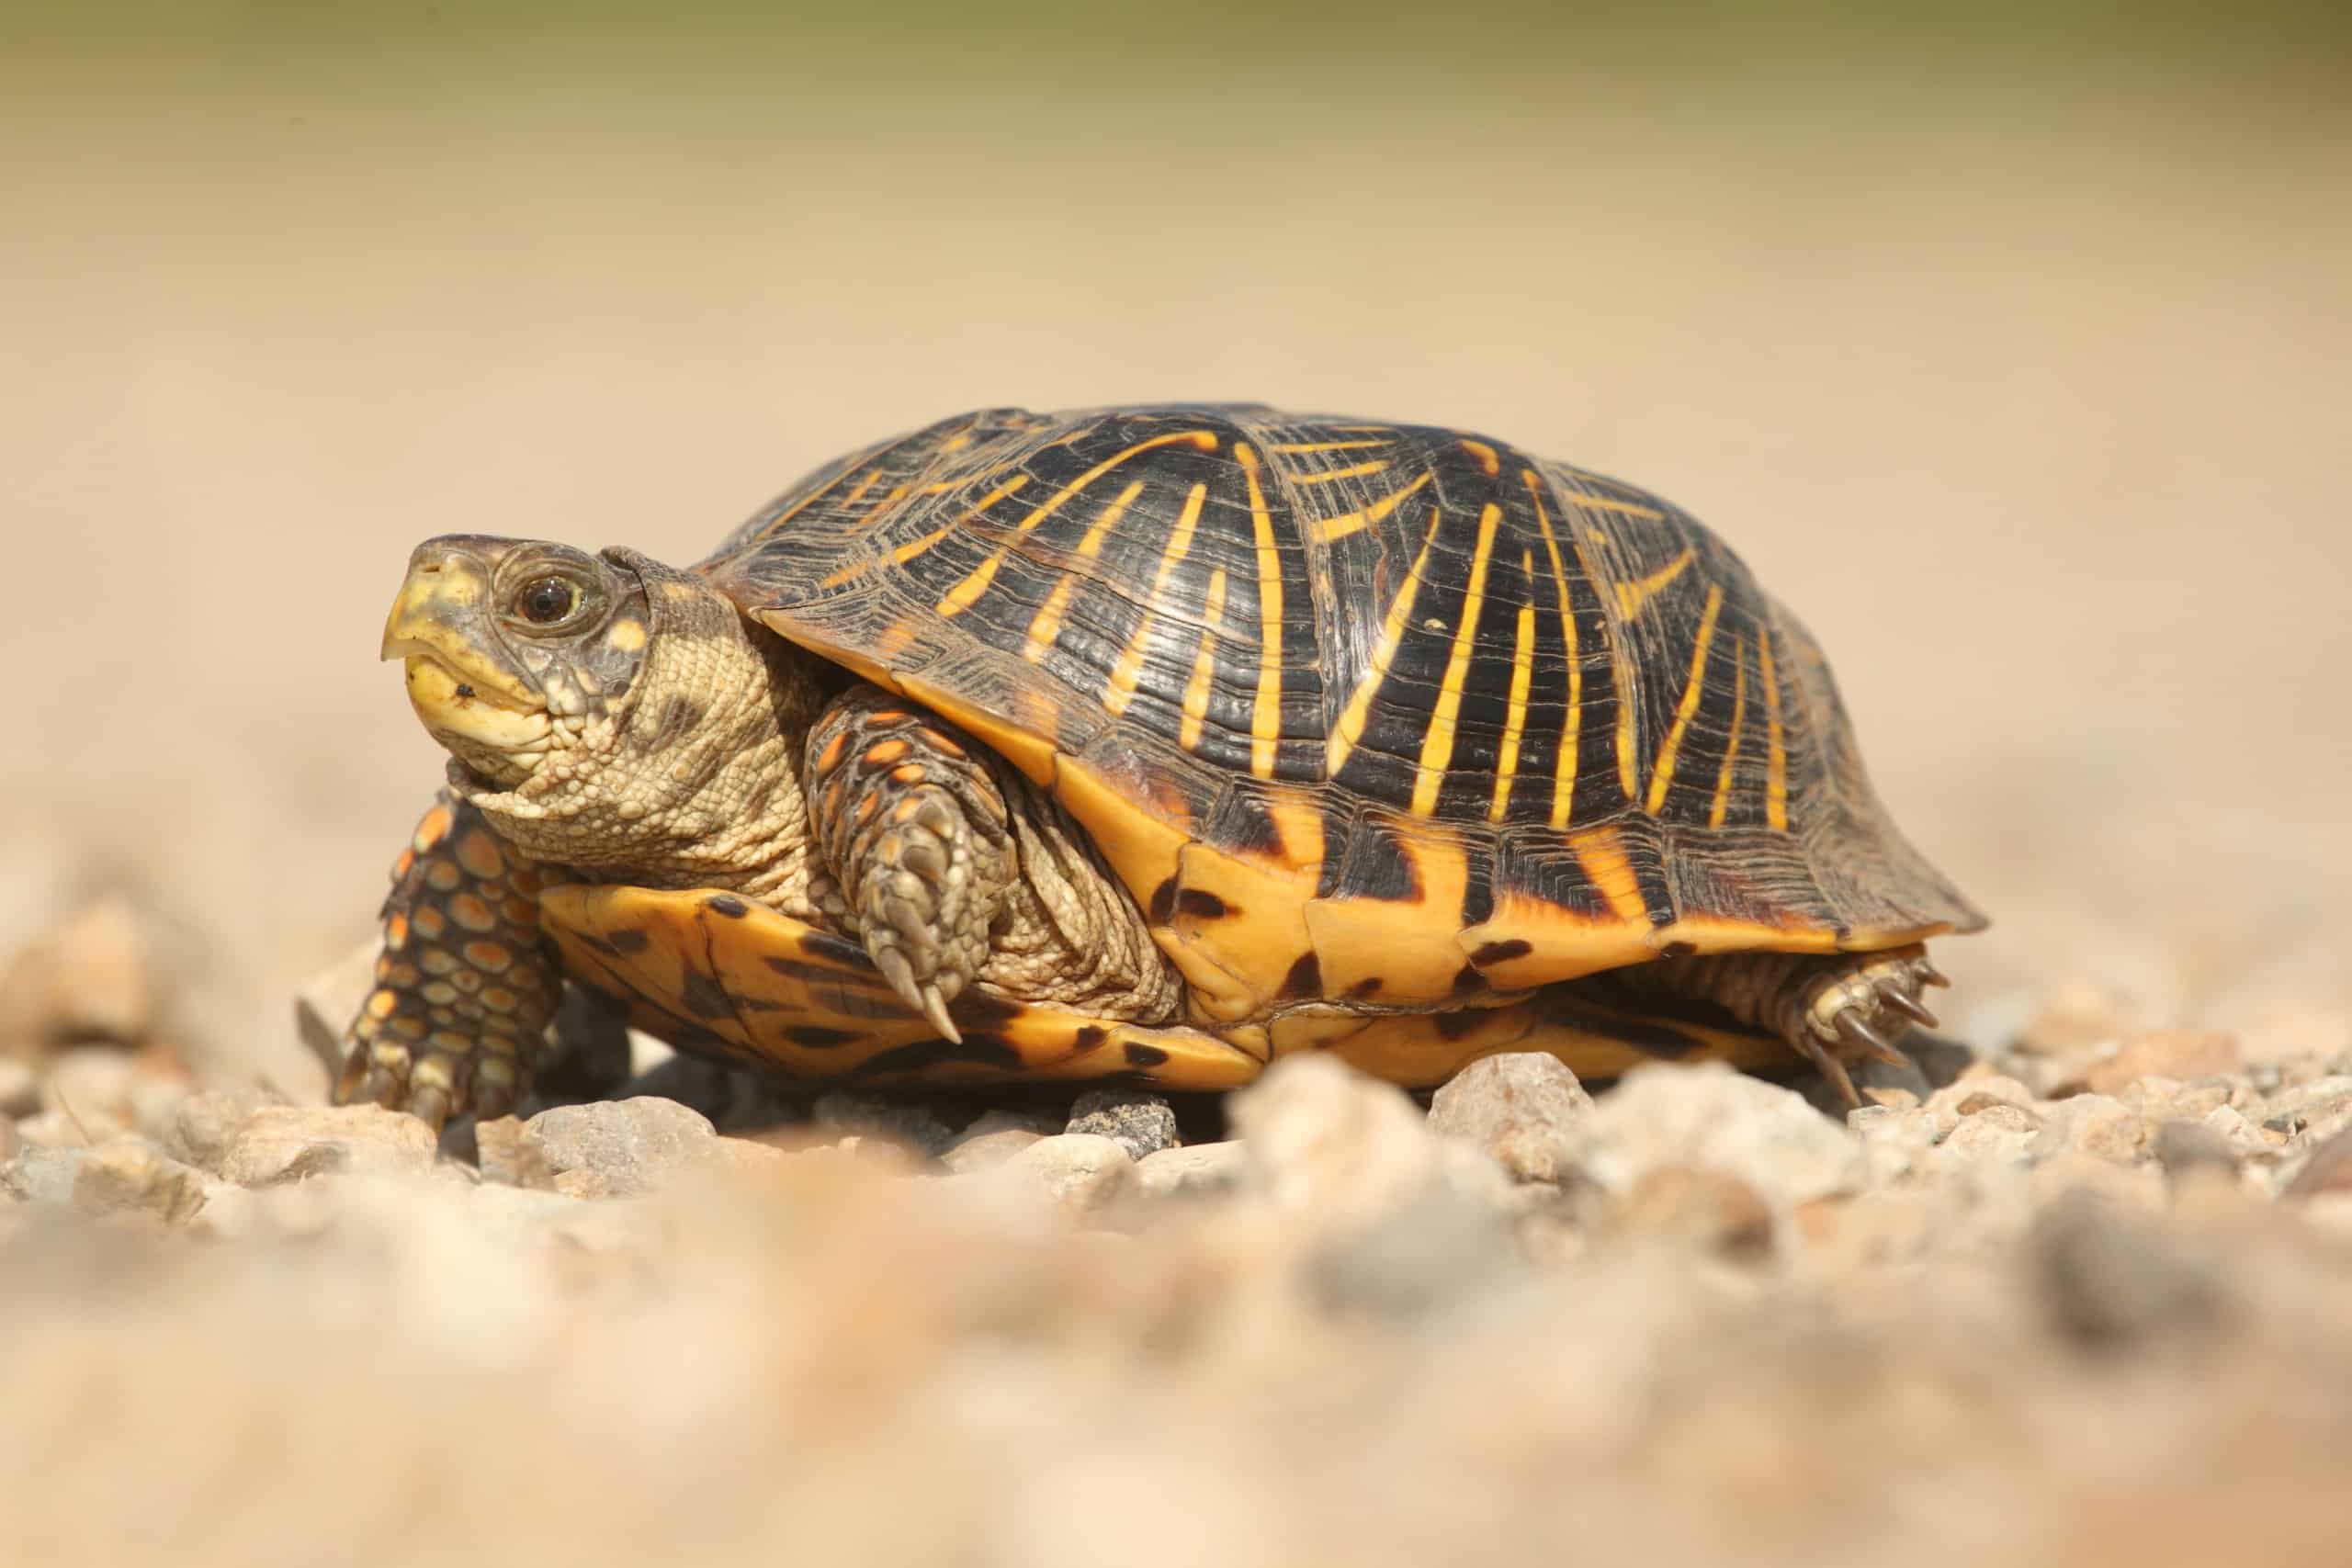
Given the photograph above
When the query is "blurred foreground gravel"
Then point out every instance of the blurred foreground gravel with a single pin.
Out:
(2086, 1300)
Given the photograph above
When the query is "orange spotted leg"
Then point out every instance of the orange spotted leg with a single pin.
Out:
(464, 986)
(914, 829)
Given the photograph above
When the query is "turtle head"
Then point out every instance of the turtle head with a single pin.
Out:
(516, 649)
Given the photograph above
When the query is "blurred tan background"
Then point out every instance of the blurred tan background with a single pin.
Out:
(2008, 344)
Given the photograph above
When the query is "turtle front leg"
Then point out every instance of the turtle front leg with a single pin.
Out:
(464, 986)
(916, 834)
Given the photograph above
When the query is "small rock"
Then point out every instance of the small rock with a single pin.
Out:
(2328, 1171)
(1996, 1131)
(2164, 1052)
(42, 1174)
(619, 1148)
(1694, 1206)
(1195, 1171)
(281, 1144)
(88, 980)
(1707, 1115)
(204, 1125)
(2094, 1124)
(329, 1000)
(907, 1122)
(125, 1175)
(506, 1156)
(1140, 1121)
(1079, 1171)
(1330, 1144)
(19, 1088)
(1975, 1090)
(989, 1150)
(1518, 1107)
(2185, 1147)
(56, 1130)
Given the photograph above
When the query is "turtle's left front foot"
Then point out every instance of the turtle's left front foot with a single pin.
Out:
(913, 829)
(1859, 1009)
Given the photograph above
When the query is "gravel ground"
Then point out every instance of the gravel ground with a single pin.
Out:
(2029, 400)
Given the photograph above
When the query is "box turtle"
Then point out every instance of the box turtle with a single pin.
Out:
(1148, 744)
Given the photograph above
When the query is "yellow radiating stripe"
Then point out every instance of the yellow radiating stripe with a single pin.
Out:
(1522, 673)
(1122, 687)
(1776, 772)
(1738, 716)
(941, 487)
(1348, 523)
(1632, 596)
(1196, 690)
(1488, 458)
(1662, 770)
(1392, 632)
(1604, 503)
(1564, 768)
(1048, 624)
(1602, 852)
(1437, 745)
(1266, 717)
(960, 598)
(1353, 471)
(1293, 448)
(863, 486)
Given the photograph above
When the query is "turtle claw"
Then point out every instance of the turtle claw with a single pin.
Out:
(1827, 1062)
(924, 996)
(1907, 1004)
(1868, 1042)
(1929, 975)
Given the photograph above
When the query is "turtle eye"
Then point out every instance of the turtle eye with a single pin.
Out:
(544, 600)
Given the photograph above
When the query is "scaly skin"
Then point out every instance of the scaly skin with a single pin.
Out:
(464, 987)
(918, 837)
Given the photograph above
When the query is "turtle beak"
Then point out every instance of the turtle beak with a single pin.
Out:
(460, 680)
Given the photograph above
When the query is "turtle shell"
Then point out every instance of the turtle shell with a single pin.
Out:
(1378, 713)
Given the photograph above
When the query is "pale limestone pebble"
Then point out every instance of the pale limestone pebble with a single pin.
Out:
(123, 1175)
(989, 1149)
(2161, 1098)
(2164, 1053)
(2327, 1170)
(2244, 1141)
(19, 1088)
(995, 1137)
(288, 1143)
(1333, 1147)
(89, 978)
(1195, 1170)
(2095, 1124)
(1975, 1088)
(1848, 1232)
(1995, 1130)
(202, 1126)
(619, 1148)
(1078, 1173)
(1138, 1121)
(2306, 1106)
(1517, 1106)
(1708, 1115)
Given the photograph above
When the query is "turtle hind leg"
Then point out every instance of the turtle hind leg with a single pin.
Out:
(1831, 1009)
(916, 834)
(464, 987)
